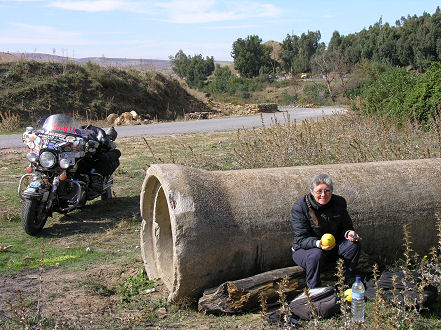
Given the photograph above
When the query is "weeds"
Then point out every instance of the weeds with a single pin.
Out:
(21, 313)
(135, 285)
(315, 316)
(402, 304)
(11, 217)
(380, 303)
(341, 289)
(399, 307)
(286, 312)
(24, 317)
(264, 307)
(433, 265)
(9, 121)
(343, 138)
(98, 286)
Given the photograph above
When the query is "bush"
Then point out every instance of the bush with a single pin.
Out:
(226, 86)
(424, 99)
(397, 93)
(387, 93)
(316, 94)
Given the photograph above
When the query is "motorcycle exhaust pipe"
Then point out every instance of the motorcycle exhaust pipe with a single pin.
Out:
(202, 228)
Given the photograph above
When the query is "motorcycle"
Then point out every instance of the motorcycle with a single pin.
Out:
(69, 164)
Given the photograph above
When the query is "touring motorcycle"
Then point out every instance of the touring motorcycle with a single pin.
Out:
(69, 164)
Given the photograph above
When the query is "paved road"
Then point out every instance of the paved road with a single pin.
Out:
(202, 126)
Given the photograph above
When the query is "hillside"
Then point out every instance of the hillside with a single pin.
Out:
(35, 89)
(123, 63)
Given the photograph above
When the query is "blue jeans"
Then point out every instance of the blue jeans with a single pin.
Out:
(312, 260)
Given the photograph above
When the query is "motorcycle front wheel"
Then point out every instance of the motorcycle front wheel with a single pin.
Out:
(32, 219)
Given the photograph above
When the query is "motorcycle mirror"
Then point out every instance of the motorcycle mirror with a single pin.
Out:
(111, 132)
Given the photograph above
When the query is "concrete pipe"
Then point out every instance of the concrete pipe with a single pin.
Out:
(201, 228)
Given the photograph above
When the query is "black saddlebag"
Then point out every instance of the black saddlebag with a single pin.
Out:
(107, 162)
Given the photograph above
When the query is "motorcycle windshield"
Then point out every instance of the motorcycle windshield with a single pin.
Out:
(61, 123)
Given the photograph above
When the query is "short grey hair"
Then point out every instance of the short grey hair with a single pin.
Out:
(322, 178)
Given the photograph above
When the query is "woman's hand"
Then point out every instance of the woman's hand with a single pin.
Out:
(325, 247)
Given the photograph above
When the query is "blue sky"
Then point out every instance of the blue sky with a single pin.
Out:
(158, 29)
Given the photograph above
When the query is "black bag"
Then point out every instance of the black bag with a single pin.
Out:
(107, 162)
(277, 318)
(324, 299)
(385, 282)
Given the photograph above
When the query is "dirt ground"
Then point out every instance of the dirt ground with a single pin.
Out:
(61, 297)
(69, 305)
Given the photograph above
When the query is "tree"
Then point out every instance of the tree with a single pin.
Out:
(289, 50)
(221, 80)
(296, 52)
(179, 64)
(326, 63)
(414, 41)
(337, 42)
(251, 57)
(195, 70)
(387, 45)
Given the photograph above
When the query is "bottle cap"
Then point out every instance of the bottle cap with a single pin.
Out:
(357, 278)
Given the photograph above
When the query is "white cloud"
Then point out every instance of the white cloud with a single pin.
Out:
(39, 34)
(92, 6)
(207, 11)
(176, 11)
(231, 27)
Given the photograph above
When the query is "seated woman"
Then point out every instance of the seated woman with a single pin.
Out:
(318, 213)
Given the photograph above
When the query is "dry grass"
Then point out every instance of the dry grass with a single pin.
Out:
(344, 138)
(9, 121)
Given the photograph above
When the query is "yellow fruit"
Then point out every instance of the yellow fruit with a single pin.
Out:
(348, 295)
(328, 240)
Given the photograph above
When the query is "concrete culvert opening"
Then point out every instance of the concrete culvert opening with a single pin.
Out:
(202, 228)
(156, 236)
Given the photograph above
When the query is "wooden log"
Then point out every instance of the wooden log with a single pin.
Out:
(244, 294)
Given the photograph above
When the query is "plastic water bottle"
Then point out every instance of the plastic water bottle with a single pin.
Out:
(357, 305)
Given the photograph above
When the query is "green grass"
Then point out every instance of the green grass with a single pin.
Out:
(133, 286)
(15, 131)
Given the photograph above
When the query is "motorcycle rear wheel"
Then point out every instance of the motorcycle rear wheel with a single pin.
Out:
(32, 220)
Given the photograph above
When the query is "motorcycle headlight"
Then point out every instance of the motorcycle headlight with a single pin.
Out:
(64, 163)
(47, 159)
(32, 157)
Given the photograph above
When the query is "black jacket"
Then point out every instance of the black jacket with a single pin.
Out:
(332, 218)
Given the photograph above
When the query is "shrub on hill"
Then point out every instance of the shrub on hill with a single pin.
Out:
(401, 94)
(35, 90)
